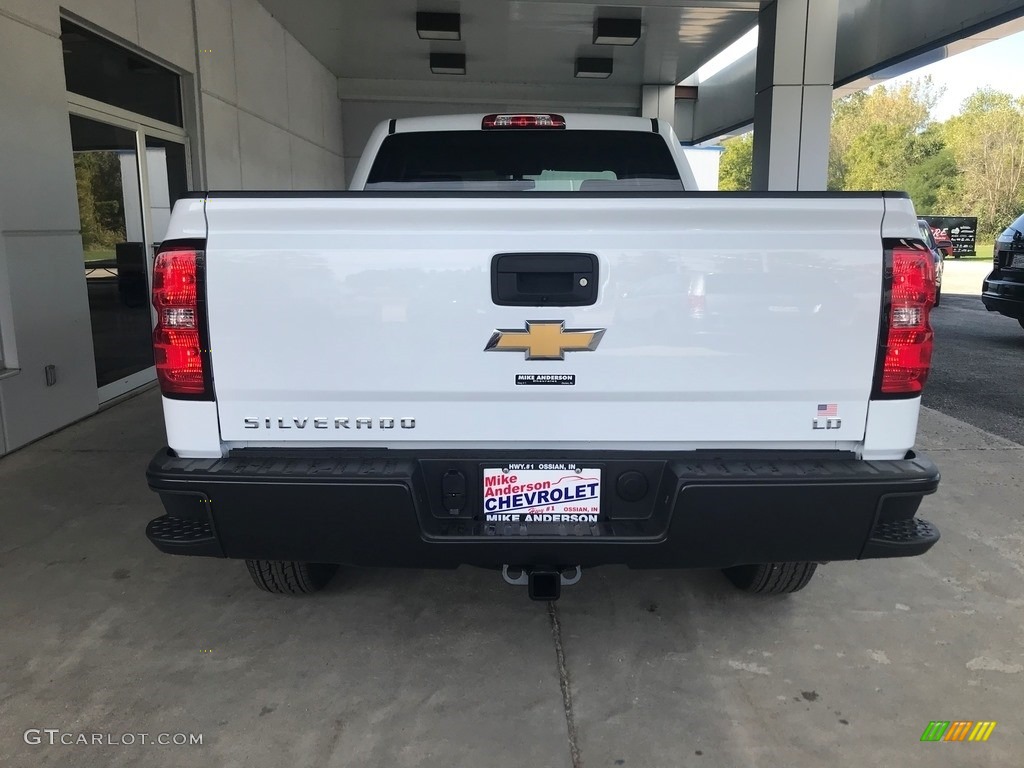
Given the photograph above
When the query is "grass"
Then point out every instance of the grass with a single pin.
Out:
(99, 254)
(982, 252)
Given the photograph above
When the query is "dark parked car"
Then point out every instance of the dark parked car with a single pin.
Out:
(937, 256)
(1003, 289)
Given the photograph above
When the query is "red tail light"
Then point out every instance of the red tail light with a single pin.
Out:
(908, 348)
(177, 346)
(524, 121)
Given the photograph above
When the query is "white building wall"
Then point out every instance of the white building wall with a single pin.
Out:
(47, 311)
(268, 116)
(271, 114)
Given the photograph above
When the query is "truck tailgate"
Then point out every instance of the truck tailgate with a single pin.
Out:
(363, 319)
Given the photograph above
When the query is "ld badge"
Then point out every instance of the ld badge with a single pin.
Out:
(827, 417)
(545, 340)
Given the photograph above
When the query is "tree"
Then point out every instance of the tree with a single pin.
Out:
(736, 163)
(987, 142)
(100, 201)
(884, 138)
(875, 135)
(932, 176)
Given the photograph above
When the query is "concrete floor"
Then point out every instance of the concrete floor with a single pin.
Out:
(102, 633)
(964, 277)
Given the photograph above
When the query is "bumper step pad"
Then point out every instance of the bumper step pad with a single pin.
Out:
(901, 538)
(178, 535)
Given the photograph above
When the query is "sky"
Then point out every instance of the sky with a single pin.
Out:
(998, 65)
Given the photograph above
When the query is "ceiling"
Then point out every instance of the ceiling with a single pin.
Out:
(518, 42)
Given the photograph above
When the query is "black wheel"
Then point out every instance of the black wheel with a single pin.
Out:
(938, 295)
(284, 577)
(771, 578)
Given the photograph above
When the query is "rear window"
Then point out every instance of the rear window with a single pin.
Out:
(926, 234)
(527, 160)
(1017, 226)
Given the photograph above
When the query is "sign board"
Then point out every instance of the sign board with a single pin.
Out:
(962, 230)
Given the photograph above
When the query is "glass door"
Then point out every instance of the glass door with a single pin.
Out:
(115, 255)
(168, 172)
(131, 165)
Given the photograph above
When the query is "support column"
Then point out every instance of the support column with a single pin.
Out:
(685, 112)
(796, 51)
(658, 101)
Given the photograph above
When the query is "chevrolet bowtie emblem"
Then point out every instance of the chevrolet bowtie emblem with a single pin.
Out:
(545, 340)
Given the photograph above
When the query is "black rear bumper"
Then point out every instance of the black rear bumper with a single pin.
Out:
(389, 510)
(1003, 296)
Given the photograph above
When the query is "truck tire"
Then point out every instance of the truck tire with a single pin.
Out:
(771, 578)
(938, 296)
(285, 577)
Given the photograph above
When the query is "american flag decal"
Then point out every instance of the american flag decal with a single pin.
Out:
(828, 409)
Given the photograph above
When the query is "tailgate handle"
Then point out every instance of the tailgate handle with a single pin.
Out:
(544, 279)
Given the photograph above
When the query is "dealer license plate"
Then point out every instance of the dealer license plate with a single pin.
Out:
(1018, 261)
(541, 492)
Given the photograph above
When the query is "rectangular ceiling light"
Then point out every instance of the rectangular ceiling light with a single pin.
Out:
(448, 63)
(439, 26)
(616, 31)
(598, 69)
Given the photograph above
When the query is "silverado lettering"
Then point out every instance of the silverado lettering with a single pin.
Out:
(324, 423)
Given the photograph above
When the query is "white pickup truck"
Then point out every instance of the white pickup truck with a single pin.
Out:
(523, 342)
